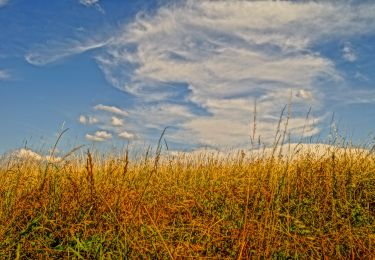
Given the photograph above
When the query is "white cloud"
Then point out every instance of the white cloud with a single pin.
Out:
(93, 120)
(82, 119)
(199, 65)
(126, 135)
(148, 118)
(28, 154)
(111, 109)
(348, 53)
(99, 136)
(115, 121)
(88, 120)
(305, 94)
(89, 2)
(94, 3)
(226, 53)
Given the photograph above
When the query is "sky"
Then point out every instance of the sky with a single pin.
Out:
(115, 71)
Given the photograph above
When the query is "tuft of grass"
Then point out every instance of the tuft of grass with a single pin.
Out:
(186, 205)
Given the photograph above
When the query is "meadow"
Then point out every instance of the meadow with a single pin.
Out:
(190, 205)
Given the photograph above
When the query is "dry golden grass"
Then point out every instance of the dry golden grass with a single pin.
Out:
(182, 206)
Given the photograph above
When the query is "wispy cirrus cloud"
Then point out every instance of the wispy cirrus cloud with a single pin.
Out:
(99, 136)
(200, 65)
(225, 54)
(42, 55)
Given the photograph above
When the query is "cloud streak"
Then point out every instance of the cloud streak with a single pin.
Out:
(111, 109)
(42, 55)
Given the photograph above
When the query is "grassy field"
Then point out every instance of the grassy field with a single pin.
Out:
(189, 205)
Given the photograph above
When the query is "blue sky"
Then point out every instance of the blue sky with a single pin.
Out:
(117, 71)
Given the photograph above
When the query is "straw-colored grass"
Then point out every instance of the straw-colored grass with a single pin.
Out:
(185, 205)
